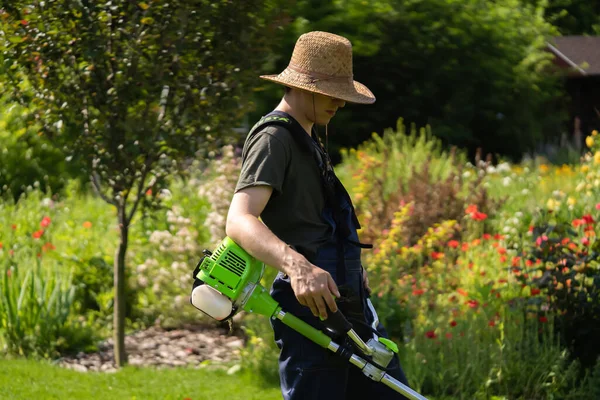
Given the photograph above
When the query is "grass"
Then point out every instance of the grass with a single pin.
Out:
(26, 379)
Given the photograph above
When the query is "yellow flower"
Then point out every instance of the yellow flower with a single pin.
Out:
(597, 157)
(589, 141)
(551, 204)
(594, 132)
(571, 201)
(585, 168)
(544, 168)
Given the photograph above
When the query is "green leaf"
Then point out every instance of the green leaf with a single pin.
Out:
(16, 39)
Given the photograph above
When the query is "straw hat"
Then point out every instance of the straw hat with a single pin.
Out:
(322, 63)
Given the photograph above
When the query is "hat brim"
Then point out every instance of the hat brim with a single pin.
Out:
(347, 90)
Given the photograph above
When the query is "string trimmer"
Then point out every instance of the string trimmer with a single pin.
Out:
(228, 281)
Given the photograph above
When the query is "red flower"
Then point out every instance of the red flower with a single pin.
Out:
(453, 243)
(492, 323)
(502, 259)
(430, 334)
(588, 219)
(8, 273)
(501, 250)
(45, 222)
(479, 216)
(565, 241)
(453, 323)
(535, 291)
(577, 222)
(585, 241)
(530, 228)
(465, 246)
(418, 292)
(24, 22)
(0, 245)
(598, 206)
(14, 227)
(437, 255)
(529, 263)
(502, 280)
(38, 234)
(487, 236)
(472, 303)
(543, 320)
(448, 335)
(516, 261)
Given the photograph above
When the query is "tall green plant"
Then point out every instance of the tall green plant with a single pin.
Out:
(34, 308)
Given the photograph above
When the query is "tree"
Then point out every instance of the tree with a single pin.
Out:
(472, 69)
(131, 89)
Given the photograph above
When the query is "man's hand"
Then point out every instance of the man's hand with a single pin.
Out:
(366, 282)
(313, 286)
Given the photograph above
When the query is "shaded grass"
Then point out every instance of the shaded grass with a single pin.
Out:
(26, 379)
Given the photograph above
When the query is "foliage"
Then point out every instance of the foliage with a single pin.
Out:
(417, 56)
(34, 309)
(572, 17)
(127, 87)
(28, 158)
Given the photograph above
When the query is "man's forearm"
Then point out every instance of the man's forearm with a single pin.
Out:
(258, 240)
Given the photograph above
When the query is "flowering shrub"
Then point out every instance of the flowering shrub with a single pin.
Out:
(568, 255)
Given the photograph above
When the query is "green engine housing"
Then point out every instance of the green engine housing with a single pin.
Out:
(236, 275)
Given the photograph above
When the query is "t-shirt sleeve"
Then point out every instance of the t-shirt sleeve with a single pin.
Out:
(264, 161)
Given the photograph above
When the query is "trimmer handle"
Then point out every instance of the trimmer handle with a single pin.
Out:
(336, 322)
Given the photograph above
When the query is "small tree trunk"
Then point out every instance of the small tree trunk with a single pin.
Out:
(119, 285)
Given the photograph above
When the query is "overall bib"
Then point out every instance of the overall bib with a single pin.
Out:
(308, 371)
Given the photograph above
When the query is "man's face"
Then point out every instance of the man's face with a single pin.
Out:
(322, 109)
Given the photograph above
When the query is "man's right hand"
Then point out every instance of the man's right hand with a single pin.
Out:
(313, 286)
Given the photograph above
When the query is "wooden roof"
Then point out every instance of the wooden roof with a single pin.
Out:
(581, 53)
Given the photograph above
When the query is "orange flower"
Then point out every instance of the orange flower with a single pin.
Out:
(38, 234)
(453, 243)
(437, 255)
(462, 292)
(476, 242)
(501, 250)
(87, 224)
(471, 209)
(465, 246)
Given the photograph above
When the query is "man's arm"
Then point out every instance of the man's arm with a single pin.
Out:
(312, 285)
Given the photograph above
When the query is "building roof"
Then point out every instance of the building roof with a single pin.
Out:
(582, 53)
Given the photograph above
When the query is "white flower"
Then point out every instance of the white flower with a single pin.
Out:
(506, 181)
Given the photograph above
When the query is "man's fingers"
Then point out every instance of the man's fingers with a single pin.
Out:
(331, 302)
(322, 310)
(333, 287)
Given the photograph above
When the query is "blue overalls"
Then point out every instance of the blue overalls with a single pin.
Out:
(308, 371)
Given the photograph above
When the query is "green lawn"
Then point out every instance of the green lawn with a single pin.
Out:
(23, 379)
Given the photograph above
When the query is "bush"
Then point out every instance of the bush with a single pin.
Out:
(34, 309)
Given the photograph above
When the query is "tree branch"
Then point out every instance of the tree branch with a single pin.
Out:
(96, 183)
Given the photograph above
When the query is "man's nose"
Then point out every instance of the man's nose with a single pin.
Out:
(340, 103)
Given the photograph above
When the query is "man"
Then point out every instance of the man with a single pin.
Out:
(310, 229)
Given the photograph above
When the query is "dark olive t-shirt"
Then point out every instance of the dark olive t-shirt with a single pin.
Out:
(293, 213)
